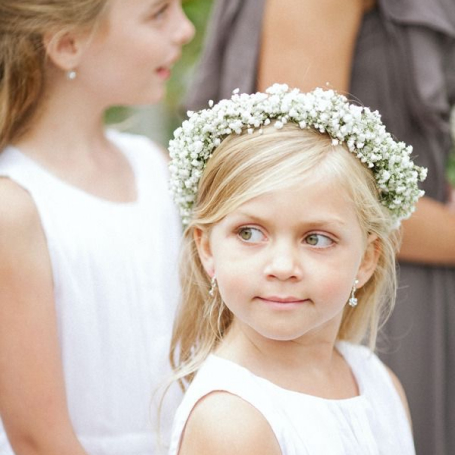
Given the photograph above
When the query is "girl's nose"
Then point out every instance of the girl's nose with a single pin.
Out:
(185, 30)
(283, 262)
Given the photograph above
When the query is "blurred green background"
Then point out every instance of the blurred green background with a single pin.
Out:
(158, 122)
(451, 167)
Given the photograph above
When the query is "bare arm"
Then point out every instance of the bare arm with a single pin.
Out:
(224, 424)
(32, 393)
(308, 44)
(429, 235)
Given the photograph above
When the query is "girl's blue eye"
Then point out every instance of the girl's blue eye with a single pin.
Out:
(318, 240)
(250, 234)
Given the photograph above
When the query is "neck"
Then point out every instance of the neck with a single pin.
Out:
(68, 138)
(69, 122)
(264, 355)
(312, 365)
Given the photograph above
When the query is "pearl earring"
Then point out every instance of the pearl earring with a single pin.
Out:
(353, 300)
(71, 75)
(212, 286)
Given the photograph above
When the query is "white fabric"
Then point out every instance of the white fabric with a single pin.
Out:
(116, 288)
(372, 423)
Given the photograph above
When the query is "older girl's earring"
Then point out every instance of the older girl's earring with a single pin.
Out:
(71, 75)
(212, 286)
(353, 301)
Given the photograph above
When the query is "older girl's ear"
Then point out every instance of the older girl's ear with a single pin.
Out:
(64, 50)
(370, 259)
(202, 240)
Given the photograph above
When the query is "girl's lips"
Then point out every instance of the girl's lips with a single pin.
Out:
(164, 73)
(282, 300)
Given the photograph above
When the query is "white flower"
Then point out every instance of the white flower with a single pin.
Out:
(359, 128)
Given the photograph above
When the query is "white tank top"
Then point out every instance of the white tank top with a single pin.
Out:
(373, 423)
(116, 288)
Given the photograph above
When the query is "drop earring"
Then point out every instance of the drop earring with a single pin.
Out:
(71, 75)
(212, 286)
(353, 300)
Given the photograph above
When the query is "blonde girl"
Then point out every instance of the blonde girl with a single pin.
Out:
(88, 236)
(292, 203)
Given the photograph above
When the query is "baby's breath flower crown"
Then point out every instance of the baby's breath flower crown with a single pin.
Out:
(326, 111)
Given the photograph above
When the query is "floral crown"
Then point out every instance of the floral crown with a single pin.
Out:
(326, 111)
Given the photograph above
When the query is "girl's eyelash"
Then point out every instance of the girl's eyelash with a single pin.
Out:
(252, 234)
(326, 238)
(246, 230)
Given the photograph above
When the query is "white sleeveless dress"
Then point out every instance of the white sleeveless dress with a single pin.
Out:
(373, 423)
(115, 273)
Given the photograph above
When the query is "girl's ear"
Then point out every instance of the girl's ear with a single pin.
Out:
(64, 49)
(202, 240)
(370, 259)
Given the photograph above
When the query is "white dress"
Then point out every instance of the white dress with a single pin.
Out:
(373, 423)
(116, 286)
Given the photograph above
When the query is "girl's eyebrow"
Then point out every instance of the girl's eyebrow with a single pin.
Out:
(326, 221)
(329, 221)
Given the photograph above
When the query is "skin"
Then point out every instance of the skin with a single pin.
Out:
(133, 52)
(328, 55)
(327, 30)
(285, 263)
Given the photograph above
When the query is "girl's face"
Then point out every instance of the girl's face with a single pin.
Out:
(286, 261)
(129, 59)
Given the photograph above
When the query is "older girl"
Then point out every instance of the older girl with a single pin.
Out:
(86, 295)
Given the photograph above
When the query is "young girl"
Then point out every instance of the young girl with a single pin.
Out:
(292, 203)
(88, 237)
(397, 57)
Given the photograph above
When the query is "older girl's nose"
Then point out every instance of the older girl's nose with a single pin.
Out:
(185, 30)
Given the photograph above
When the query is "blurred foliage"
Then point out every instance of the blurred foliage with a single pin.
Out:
(451, 165)
(451, 168)
(116, 114)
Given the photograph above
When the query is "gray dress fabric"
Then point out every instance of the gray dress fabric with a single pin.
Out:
(404, 66)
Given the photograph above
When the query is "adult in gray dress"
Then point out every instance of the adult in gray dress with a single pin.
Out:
(403, 64)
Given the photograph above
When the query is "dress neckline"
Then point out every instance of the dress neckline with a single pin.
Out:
(343, 349)
(75, 190)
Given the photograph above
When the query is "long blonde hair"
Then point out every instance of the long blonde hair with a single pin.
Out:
(23, 25)
(244, 167)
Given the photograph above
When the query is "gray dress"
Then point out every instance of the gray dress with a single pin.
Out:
(404, 66)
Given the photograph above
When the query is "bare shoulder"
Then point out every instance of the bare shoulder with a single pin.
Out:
(21, 234)
(17, 208)
(223, 424)
(399, 388)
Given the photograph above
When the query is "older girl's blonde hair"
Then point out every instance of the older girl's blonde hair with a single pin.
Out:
(23, 25)
(244, 167)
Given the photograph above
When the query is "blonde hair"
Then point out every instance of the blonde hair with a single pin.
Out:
(23, 25)
(244, 167)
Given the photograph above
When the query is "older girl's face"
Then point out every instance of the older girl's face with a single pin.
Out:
(286, 261)
(129, 59)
